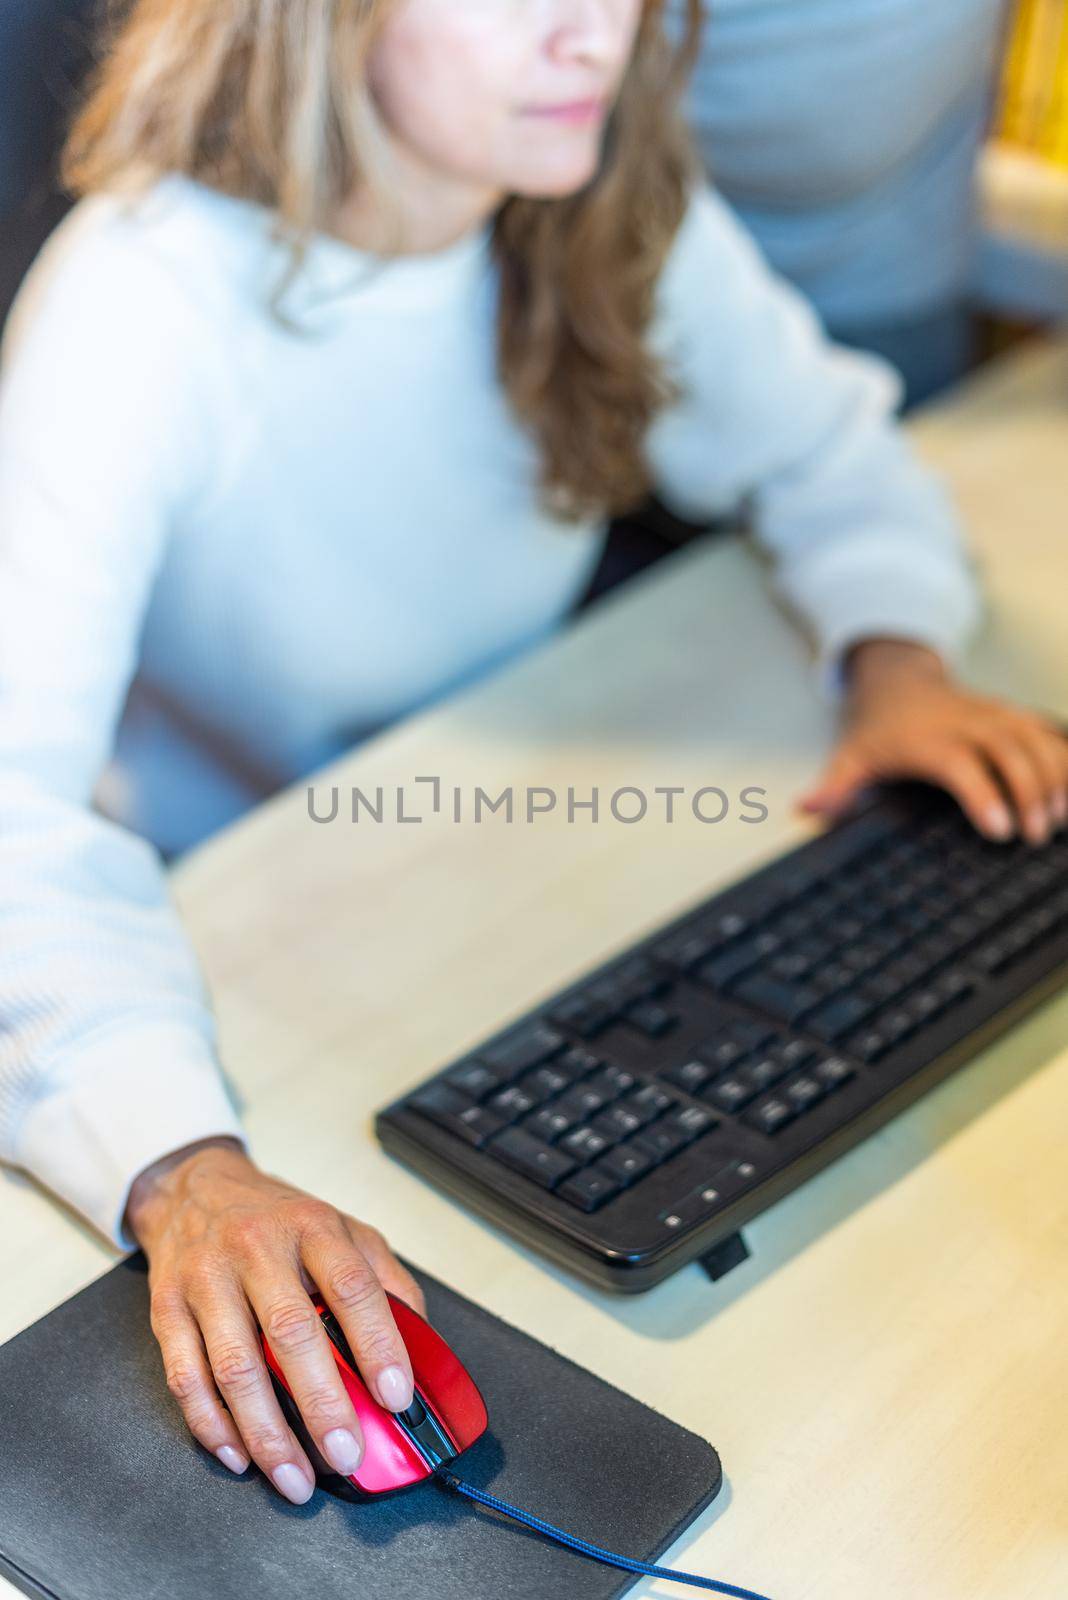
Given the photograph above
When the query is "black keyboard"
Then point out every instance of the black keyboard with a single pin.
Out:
(635, 1121)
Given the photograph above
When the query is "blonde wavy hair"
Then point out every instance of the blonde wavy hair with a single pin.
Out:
(268, 100)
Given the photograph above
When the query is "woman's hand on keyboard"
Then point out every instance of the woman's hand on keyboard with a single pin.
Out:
(1006, 766)
(232, 1250)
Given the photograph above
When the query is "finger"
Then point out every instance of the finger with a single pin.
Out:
(232, 1341)
(296, 1335)
(841, 781)
(351, 1288)
(1014, 766)
(959, 769)
(1049, 752)
(190, 1381)
(388, 1270)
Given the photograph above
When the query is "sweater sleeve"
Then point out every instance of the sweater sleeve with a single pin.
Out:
(107, 1039)
(798, 434)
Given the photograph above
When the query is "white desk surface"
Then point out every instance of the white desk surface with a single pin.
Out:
(887, 1378)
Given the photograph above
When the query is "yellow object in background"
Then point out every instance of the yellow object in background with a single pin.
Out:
(1033, 109)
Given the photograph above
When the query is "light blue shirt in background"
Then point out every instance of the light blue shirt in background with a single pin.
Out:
(845, 134)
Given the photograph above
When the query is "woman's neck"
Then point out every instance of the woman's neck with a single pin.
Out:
(423, 212)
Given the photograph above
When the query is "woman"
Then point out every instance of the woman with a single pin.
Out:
(299, 494)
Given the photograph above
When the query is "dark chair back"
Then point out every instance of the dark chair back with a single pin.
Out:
(46, 48)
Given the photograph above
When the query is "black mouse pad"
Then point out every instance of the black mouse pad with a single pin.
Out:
(103, 1496)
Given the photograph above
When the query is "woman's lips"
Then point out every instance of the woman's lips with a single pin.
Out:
(572, 112)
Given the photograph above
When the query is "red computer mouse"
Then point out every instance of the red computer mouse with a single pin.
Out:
(401, 1450)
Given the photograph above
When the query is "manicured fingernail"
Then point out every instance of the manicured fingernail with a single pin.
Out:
(395, 1389)
(342, 1450)
(232, 1459)
(999, 821)
(294, 1484)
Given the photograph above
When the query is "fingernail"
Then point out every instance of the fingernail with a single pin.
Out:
(999, 821)
(342, 1450)
(294, 1484)
(395, 1389)
(232, 1459)
(1038, 824)
(1059, 807)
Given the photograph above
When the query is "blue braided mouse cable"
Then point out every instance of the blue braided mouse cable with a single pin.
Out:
(595, 1552)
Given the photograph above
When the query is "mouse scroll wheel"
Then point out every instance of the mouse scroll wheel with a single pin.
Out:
(415, 1415)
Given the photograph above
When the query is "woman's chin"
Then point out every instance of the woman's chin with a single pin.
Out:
(558, 181)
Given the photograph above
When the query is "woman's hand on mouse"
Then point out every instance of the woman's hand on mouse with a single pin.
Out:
(905, 717)
(232, 1250)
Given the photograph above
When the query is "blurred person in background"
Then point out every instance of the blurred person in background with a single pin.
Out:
(315, 408)
(845, 134)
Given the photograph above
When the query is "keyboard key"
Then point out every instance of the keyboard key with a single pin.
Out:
(691, 1076)
(609, 1082)
(542, 1163)
(457, 1115)
(578, 1063)
(882, 986)
(685, 950)
(547, 1124)
(794, 1052)
(513, 1103)
(544, 1081)
(625, 1164)
(619, 1076)
(897, 1025)
(769, 1114)
(763, 1072)
(589, 1189)
(581, 1102)
(802, 1092)
(730, 1094)
(832, 977)
(790, 966)
(651, 1019)
(473, 1078)
(909, 968)
(955, 984)
(837, 1016)
(617, 1122)
(581, 1014)
(650, 1101)
(861, 958)
(924, 1005)
(993, 957)
(787, 1001)
(476, 1125)
(584, 1145)
(833, 1072)
(640, 978)
(724, 968)
(526, 1047)
(438, 1099)
(870, 1045)
(723, 1051)
(692, 1121)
